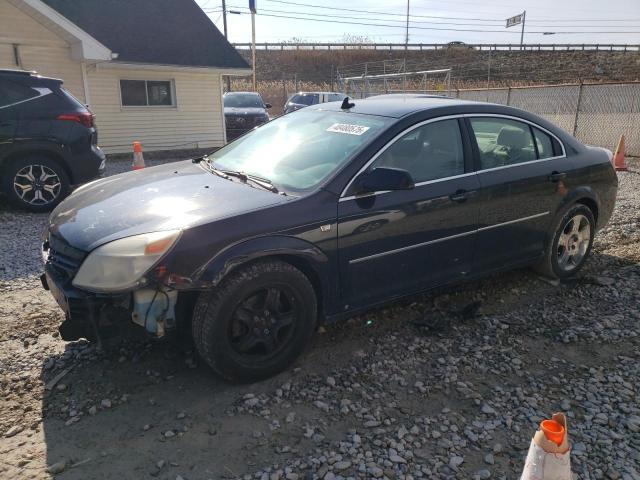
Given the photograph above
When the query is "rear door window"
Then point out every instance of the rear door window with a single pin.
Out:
(12, 93)
(547, 146)
(502, 142)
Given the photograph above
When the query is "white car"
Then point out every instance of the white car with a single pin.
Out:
(304, 99)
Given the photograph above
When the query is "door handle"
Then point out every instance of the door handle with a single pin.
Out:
(462, 195)
(557, 176)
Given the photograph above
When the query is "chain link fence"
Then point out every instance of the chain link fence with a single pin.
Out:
(595, 114)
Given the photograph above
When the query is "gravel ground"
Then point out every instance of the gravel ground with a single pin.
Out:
(445, 385)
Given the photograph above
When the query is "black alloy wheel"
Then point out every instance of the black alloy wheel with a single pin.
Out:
(262, 323)
(256, 322)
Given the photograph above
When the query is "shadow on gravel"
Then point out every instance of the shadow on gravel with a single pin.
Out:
(146, 410)
(142, 410)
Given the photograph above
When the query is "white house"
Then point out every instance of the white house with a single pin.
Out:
(150, 70)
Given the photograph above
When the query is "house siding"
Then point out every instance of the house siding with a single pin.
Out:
(194, 122)
(39, 48)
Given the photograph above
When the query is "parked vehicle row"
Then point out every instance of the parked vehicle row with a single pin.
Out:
(304, 99)
(48, 141)
(320, 214)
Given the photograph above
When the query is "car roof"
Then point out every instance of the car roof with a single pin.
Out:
(313, 93)
(396, 105)
(18, 74)
(242, 93)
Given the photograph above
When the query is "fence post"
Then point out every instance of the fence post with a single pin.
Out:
(404, 76)
(332, 77)
(578, 103)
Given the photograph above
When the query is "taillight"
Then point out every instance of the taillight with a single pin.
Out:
(84, 118)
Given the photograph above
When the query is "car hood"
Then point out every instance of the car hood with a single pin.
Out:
(244, 111)
(167, 197)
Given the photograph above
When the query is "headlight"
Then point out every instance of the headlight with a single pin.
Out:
(121, 264)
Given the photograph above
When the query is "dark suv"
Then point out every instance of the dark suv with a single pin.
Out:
(48, 141)
(243, 111)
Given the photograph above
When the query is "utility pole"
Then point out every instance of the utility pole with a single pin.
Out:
(524, 16)
(252, 8)
(406, 37)
(253, 49)
(224, 17)
(224, 24)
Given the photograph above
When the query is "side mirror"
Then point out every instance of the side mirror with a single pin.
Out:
(267, 105)
(382, 179)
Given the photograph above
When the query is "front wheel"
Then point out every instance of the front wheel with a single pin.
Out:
(570, 245)
(256, 322)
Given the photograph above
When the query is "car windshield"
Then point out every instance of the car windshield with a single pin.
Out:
(305, 98)
(297, 152)
(243, 101)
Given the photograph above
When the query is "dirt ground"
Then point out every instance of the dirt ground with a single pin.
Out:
(449, 384)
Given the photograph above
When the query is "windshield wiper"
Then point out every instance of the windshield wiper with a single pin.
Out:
(263, 182)
(207, 163)
(244, 177)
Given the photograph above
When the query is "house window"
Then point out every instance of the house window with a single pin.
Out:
(143, 93)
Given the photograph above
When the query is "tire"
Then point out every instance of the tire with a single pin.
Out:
(568, 250)
(256, 322)
(35, 183)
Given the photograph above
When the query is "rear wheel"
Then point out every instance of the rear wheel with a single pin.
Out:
(35, 183)
(256, 322)
(571, 243)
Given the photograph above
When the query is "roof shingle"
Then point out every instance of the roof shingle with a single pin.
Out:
(165, 32)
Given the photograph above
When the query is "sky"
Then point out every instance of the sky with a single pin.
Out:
(432, 21)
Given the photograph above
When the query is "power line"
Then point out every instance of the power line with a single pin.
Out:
(436, 28)
(369, 18)
(382, 13)
(328, 15)
(443, 17)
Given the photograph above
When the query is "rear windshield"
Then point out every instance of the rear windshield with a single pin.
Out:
(243, 101)
(299, 150)
(73, 99)
(305, 98)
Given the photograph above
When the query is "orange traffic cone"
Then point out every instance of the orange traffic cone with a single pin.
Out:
(618, 157)
(548, 456)
(138, 159)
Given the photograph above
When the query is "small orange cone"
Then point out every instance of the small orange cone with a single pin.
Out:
(549, 453)
(618, 157)
(138, 159)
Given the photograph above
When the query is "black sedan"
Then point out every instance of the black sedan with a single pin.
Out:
(320, 214)
(243, 111)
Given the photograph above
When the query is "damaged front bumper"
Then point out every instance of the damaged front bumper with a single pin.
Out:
(99, 316)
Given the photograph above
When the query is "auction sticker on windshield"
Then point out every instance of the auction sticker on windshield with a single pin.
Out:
(346, 128)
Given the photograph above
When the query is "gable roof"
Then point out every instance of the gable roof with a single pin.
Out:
(164, 32)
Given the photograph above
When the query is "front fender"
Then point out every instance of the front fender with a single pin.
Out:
(307, 256)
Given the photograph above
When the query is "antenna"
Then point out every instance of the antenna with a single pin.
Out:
(346, 105)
